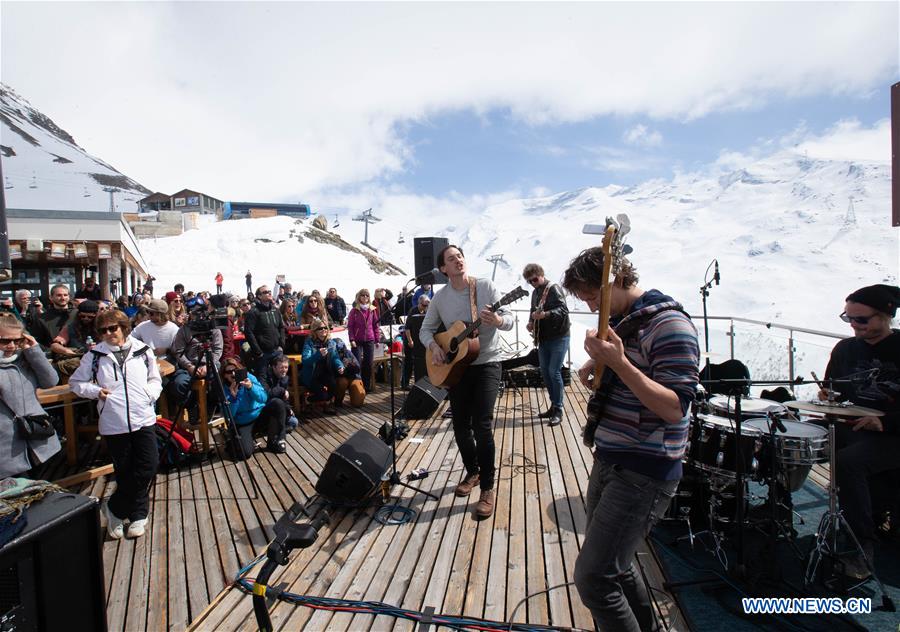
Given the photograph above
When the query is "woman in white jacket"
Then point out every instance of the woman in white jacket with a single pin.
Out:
(121, 373)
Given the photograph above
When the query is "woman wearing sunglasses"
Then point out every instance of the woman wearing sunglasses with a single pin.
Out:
(247, 400)
(23, 368)
(324, 361)
(867, 446)
(121, 373)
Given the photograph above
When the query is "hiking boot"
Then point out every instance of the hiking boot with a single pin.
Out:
(136, 529)
(278, 447)
(556, 418)
(547, 414)
(330, 409)
(467, 485)
(115, 526)
(485, 506)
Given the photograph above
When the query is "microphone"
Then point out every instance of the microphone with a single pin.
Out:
(716, 274)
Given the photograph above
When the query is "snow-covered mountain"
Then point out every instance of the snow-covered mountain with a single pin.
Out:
(43, 167)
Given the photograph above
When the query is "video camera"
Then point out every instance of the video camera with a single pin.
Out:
(202, 320)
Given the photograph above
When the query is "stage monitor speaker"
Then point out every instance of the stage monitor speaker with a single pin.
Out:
(51, 573)
(354, 468)
(423, 400)
(425, 252)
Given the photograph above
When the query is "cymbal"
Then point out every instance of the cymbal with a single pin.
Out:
(838, 409)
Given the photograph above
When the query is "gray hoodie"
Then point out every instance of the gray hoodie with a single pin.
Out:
(18, 381)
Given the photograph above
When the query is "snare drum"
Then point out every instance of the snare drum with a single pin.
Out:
(713, 446)
(750, 407)
(797, 450)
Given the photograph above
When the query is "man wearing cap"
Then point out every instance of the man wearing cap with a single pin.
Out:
(264, 330)
(870, 445)
(75, 339)
(158, 332)
(90, 290)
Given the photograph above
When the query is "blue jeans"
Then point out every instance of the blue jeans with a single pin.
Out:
(621, 507)
(551, 355)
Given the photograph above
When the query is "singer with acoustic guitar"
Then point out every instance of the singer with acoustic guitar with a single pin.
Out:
(638, 422)
(473, 397)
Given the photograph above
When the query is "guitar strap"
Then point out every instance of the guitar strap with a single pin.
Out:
(473, 301)
(540, 305)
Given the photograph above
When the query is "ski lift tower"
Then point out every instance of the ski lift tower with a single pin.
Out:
(495, 259)
(367, 217)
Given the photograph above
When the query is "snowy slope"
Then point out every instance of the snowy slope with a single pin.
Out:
(43, 167)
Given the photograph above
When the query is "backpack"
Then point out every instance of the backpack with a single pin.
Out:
(176, 447)
(95, 361)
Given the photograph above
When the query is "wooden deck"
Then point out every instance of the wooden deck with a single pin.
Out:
(207, 522)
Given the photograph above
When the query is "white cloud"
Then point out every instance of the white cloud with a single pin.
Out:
(641, 136)
(273, 100)
(850, 140)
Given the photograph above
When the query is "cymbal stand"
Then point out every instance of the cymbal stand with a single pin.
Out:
(826, 543)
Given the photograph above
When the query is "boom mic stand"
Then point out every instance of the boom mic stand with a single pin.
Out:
(704, 292)
(394, 478)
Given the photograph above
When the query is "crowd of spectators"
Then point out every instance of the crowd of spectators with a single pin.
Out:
(107, 351)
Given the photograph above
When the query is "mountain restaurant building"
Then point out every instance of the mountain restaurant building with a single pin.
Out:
(49, 247)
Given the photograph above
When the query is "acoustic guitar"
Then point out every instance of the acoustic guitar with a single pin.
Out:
(614, 249)
(460, 348)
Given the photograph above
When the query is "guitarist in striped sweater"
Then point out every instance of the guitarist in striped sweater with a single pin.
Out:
(472, 399)
(642, 412)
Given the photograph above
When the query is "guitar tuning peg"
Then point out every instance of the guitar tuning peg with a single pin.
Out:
(627, 249)
(624, 223)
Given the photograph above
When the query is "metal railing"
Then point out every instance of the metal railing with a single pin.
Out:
(817, 343)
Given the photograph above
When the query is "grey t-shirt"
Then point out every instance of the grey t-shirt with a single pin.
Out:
(450, 305)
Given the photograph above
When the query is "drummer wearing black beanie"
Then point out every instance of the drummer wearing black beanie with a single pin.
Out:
(867, 446)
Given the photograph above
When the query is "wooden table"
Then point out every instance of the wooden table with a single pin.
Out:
(63, 395)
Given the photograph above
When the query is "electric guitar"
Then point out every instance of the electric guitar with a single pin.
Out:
(614, 249)
(460, 348)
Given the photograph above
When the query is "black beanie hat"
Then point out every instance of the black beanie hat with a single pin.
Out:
(88, 306)
(884, 298)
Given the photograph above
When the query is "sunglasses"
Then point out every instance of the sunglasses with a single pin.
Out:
(6, 341)
(312, 300)
(859, 320)
(321, 328)
(228, 372)
(533, 280)
(265, 292)
(107, 330)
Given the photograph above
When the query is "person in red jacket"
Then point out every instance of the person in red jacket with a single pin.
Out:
(219, 280)
(364, 334)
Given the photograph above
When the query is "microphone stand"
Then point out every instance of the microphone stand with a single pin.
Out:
(394, 478)
(704, 292)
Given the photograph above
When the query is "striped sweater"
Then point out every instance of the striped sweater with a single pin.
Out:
(665, 349)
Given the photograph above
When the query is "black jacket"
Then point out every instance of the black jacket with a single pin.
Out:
(264, 328)
(871, 389)
(337, 309)
(275, 386)
(556, 323)
(49, 324)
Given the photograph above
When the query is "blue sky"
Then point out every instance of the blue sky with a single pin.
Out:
(441, 105)
(469, 153)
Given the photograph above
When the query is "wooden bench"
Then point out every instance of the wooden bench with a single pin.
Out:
(391, 363)
(296, 388)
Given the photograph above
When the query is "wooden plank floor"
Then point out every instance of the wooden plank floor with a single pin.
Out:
(209, 520)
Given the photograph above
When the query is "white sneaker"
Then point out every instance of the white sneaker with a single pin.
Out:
(136, 529)
(115, 527)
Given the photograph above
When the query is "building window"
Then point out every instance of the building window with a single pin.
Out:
(180, 201)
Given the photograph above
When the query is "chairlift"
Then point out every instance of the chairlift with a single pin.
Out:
(7, 184)
(400, 239)
(86, 193)
(336, 222)
(33, 184)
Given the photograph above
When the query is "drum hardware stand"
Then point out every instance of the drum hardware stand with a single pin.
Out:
(826, 544)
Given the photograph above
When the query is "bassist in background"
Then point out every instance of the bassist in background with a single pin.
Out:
(643, 411)
(549, 325)
(472, 398)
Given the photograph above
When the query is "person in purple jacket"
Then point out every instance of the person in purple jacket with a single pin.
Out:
(364, 333)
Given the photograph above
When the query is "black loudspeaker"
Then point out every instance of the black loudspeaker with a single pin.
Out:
(354, 468)
(423, 400)
(425, 251)
(51, 574)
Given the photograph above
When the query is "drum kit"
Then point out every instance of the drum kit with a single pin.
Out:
(736, 439)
